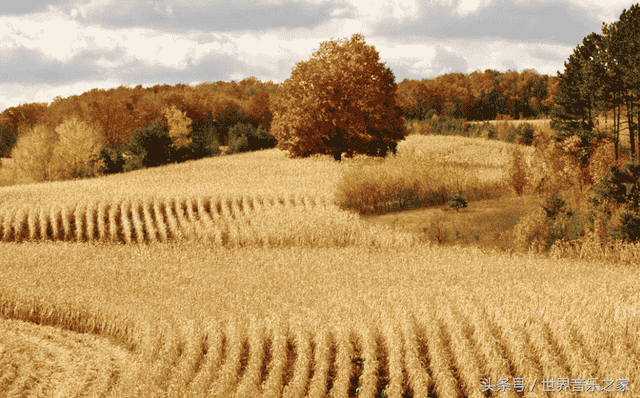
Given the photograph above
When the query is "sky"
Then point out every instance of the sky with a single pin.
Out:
(67, 47)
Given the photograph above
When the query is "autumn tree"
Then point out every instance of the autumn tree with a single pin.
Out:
(341, 100)
(77, 145)
(16, 120)
(179, 126)
(33, 155)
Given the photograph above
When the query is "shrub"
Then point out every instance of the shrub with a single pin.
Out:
(619, 192)
(505, 117)
(262, 140)
(437, 231)
(204, 141)
(8, 138)
(532, 231)
(603, 156)
(553, 169)
(238, 137)
(457, 201)
(133, 163)
(526, 134)
(151, 144)
(553, 222)
(620, 186)
(492, 131)
(518, 178)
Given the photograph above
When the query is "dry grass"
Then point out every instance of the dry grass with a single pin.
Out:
(425, 171)
(252, 319)
(250, 282)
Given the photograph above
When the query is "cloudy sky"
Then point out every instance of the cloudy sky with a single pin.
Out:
(66, 47)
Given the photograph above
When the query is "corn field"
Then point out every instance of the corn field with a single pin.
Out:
(228, 222)
(173, 283)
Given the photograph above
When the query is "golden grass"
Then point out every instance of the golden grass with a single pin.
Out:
(48, 361)
(239, 277)
(425, 171)
(277, 303)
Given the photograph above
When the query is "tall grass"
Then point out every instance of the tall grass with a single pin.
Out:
(206, 320)
(425, 172)
(241, 277)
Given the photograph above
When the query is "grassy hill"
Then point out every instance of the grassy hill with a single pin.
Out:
(240, 276)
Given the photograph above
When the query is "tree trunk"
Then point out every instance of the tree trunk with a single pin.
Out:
(632, 138)
(616, 124)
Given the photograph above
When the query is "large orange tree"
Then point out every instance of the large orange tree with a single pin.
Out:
(341, 100)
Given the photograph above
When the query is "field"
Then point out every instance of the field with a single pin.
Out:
(238, 276)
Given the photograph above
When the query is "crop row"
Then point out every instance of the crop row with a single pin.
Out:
(127, 222)
(274, 221)
(440, 358)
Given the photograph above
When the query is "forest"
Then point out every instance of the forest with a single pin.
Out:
(599, 79)
(118, 112)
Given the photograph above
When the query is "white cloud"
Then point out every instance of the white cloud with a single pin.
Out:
(55, 37)
(104, 44)
(467, 6)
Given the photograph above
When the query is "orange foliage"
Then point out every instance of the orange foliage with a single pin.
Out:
(335, 102)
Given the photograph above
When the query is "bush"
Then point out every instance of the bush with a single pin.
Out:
(457, 201)
(238, 141)
(552, 223)
(263, 140)
(532, 232)
(492, 131)
(526, 134)
(8, 139)
(603, 156)
(618, 196)
(133, 163)
(553, 168)
(151, 144)
(518, 178)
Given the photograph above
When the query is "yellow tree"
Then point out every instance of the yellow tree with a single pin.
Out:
(341, 100)
(179, 126)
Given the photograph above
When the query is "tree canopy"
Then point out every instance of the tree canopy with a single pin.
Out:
(341, 100)
(600, 77)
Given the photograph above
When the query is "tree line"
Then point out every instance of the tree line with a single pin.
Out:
(119, 111)
(479, 95)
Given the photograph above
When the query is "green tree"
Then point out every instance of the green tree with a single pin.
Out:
(341, 100)
(618, 194)
(580, 88)
(150, 146)
(624, 50)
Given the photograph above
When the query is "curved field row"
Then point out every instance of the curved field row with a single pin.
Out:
(44, 361)
(277, 221)
(340, 322)
(423, 358)
(420, 359)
